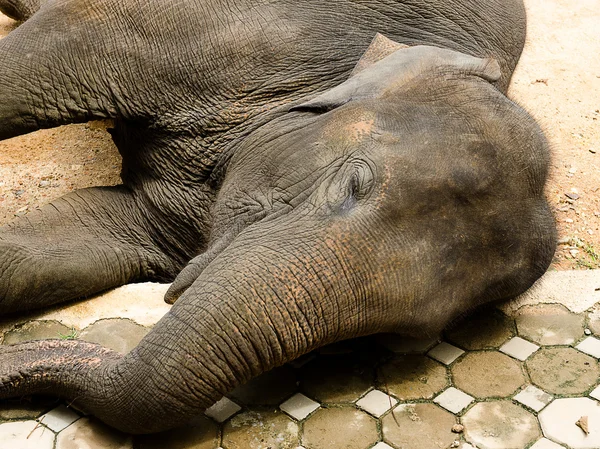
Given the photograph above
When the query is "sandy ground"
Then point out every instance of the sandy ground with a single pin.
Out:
(558, 81)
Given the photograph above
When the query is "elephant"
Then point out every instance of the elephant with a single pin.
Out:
(20, 10)
(302, 173)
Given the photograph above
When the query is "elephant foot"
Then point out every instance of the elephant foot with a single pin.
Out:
(81, 244)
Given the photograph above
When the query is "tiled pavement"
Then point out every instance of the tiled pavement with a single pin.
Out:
(524, 375)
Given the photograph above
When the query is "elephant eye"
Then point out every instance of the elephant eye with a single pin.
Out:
(354, 187)
(362, 180)
(360, 184)
(351, 198)
(318, 106)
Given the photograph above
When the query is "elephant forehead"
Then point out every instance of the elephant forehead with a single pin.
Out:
(353, 126)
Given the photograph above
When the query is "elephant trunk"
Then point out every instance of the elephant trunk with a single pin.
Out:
(251, 310)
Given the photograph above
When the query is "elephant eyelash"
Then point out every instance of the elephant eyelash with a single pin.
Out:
(355, 192)
(361, 181)
(354, 186)
(318, 107)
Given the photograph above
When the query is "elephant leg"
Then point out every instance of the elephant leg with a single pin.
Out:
(38, 90)
(75, 61)
(256, 305)
(228, 327)
(51, 72)
(83, 243)
(20, 10)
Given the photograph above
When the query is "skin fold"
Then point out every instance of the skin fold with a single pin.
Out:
(303, 175)
(20, 9)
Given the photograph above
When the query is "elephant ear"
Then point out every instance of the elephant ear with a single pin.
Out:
(386, 66)
(379, 48)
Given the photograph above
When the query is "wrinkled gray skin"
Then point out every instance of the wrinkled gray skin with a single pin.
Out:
(20, 9)
(314, 206)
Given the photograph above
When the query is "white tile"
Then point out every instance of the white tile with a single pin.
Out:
(59, 418)
(500, 425)
(382, 445)
(590, 346)
(25, 435)
(544, 443)
(445, 353)
(222, 410)
(596, 393)
(533, 397)
(519, 348)
(376, 402)
(453, 400)
(89, 433)
(299, 406)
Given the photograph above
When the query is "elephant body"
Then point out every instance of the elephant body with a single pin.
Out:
(303, 173)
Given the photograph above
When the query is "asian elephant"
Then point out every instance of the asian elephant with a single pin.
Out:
(304, 172)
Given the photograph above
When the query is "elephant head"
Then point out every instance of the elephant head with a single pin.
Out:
(394, 202)
(404, 197)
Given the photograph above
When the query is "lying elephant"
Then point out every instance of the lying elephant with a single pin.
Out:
(301, 178)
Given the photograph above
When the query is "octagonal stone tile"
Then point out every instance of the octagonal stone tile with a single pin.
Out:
(259, 429)
(26, 408)
(270, 388)
(500, 425)
(594, 319)
(575, 289)
(36, 330)
(340, 428)
(336, 379)
(488, 374)
(91, 433)
(563, 370)
(559, 418)
(549, 324)
(419, 426)
(545, 443)
(406, 345)
(488, 328)
(202, 433)
(142, 302)
(118, 334)
(413, 377)
(25, 435)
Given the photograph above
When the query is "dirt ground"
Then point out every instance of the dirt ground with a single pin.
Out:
(558, 81)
